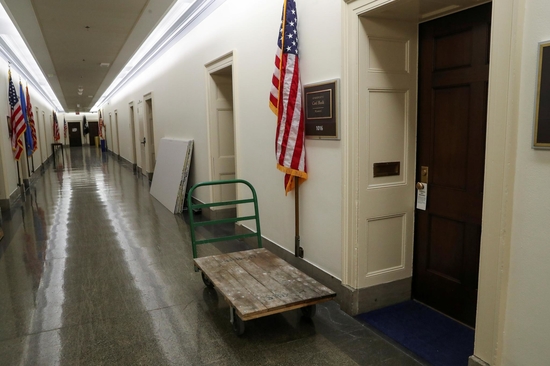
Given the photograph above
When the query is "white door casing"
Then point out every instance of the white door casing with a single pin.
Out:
(111, 143)
(221, 127)
(150, 130)
(133, 133)
(117, 136)
(141, 123)
(505, 56)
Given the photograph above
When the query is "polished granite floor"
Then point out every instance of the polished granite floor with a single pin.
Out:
(95, 271)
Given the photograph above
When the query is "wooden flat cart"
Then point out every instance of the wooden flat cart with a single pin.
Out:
(254, 282)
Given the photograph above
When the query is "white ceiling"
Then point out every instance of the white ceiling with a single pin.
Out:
(421, 10)
(71, 39)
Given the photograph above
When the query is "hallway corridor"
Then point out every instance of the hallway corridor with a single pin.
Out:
(95, 271)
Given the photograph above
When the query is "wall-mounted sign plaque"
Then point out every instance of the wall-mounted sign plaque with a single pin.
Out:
(541, 133)
(322, 109)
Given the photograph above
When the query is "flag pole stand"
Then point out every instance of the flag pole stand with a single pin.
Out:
(298, 250)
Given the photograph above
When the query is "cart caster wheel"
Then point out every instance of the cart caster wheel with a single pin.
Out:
(238, 325)
(309, 311)
(207, 281)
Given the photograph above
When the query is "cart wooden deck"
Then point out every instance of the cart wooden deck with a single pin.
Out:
(254, 282)
(258, 283)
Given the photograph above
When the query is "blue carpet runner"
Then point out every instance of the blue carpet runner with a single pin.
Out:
(434, 337)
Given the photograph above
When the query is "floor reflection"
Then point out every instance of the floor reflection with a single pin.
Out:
(93, 270)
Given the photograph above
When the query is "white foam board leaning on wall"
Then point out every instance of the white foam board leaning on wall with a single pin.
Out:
(171, 172)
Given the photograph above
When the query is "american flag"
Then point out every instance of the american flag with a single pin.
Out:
(285, 100)
(17, 120)
(56, 136)
(64, 128)
(30, 115)
(28, 132)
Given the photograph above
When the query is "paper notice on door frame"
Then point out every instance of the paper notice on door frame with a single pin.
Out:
(422, 197)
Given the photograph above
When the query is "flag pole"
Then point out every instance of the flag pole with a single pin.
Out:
(298, 250)
(27, 155)
(18, 175)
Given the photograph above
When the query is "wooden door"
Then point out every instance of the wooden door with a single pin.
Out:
(75, 135)
(94, 131)
(453, 86)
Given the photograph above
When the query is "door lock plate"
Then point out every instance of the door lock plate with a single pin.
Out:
(424, 174)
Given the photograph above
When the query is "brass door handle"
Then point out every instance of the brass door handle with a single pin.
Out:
(420, 186)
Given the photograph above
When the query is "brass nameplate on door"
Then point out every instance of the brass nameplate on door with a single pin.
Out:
(386, 169)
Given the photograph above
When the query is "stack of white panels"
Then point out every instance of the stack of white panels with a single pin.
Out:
(171, 173)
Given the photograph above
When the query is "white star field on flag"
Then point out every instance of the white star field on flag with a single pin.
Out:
(291, 34)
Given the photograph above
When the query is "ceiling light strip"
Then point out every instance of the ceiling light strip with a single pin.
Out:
(15, 63)
(187, 21)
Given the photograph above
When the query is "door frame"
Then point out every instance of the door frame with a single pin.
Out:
(45, 129)
(132, 123)
(149, 130)
(110, 146)
(506, 35)
(142, 166)
(79, 123)
(212, 67)
(116, 130)
(38, 134)
(91, 138)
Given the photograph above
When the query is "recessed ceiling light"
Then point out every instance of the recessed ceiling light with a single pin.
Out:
(104, 64)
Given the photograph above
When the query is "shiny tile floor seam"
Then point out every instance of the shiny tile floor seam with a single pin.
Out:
(94, 270)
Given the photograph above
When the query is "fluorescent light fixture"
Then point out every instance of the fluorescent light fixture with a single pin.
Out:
(181, 17)
(14, 49)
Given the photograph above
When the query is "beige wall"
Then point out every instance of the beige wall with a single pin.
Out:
(8, 166)
(177, 83)
(513, 315)
(526, 336)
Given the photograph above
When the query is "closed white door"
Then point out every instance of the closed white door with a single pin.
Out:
(117, 137)
(150, 146)
(222, 134)
(387, 126)
(133, 134)
(142, 140)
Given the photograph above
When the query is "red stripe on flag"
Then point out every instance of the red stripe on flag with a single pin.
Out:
(17, 121)
(30, 116)
(286, 100)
